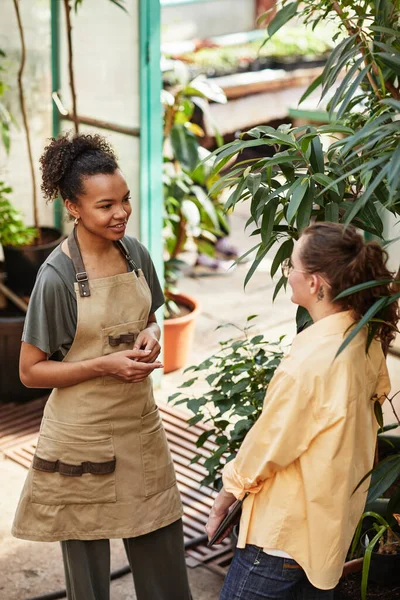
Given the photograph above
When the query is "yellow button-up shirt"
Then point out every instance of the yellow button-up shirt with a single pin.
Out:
(312, 444)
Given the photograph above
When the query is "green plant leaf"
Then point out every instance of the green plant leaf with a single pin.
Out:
(362, 286)
(284, 251)
(378, 413)
(253, 181)
(371, 312)
(313, 86)
(317, 156)
(299, 190)
(185, 146)
(326, 182)
(367, 561)
(331, 212)
(303, 318)
(304, 211)
(281, 283)
(282, 17)
(350, 92)
(363, 199)
(188, 383)
(267, 223)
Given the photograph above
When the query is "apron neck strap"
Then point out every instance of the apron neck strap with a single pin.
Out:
(76, 257)
(125, 253)
(77, 261)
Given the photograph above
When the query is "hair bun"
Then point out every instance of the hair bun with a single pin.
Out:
(60, 154)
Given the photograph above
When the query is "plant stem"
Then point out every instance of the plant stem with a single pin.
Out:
(71, 65)
(24, 114)
(353, 31)
(392, 405)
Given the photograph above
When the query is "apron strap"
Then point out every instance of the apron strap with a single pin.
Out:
(125, 253)
(76, 257)
(77, 261)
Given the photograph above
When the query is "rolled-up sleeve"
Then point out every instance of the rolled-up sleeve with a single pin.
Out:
(284, 430)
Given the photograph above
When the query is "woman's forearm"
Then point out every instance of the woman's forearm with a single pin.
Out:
(54, 374)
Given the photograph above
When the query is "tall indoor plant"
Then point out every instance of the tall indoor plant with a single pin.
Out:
(355, 179)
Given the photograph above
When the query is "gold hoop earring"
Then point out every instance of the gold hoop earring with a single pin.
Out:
(76, 221)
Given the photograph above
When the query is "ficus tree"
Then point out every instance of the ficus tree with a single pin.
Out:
(346, 171)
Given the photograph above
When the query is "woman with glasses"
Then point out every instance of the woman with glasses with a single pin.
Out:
(314, 441)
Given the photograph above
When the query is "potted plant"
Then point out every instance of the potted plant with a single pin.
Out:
(190, 214)
(237, 378)
(23, 256)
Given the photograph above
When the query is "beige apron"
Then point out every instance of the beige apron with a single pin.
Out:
(102, 467)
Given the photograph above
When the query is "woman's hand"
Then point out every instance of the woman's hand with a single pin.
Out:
(129, 365)
(218, 513)
(147, 340)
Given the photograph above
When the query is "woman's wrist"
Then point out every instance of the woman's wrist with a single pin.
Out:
(222, 503)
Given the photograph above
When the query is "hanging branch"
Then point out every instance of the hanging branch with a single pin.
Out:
(74, 114)
(25, 116)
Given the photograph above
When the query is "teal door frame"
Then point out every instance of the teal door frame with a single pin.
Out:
(151, 131)
(151, 192)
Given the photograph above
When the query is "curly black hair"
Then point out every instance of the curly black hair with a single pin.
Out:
(66, 162)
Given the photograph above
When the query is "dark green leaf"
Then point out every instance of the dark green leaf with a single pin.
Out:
(373, 310)
(253, 181)
(305, 209)
(378, 413)
(331, 212)
(303, 318)
(281, 283)
(185, 146)
(283, 16)
(362, 286)
(284, 251)
(299, 190)
(188, 383)
(313, 86)
(350, 92)
(201, 440)
(317, 156)
(267, 223)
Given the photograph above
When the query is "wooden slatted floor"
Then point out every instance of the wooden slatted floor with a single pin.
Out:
(19, 427)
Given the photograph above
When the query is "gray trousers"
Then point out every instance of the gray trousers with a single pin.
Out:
(156, 559)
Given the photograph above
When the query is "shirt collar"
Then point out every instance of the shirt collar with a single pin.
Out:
(332, 325)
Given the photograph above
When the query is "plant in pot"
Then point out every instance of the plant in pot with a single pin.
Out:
(22, 259)
(191, 215)
(12, 313)
(377, 537)
(237, 377)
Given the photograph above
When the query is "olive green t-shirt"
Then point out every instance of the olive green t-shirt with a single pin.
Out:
(51, 319)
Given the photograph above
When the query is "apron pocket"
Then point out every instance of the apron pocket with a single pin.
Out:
(158, 468)
(74, 468)
(120, 337)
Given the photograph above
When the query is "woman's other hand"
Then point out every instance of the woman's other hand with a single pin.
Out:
(218, 512)
(147, 340)
(130, 366)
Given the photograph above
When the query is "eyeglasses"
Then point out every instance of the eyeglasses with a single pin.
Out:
(288, 268)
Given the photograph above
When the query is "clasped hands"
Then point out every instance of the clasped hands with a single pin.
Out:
(133, 366)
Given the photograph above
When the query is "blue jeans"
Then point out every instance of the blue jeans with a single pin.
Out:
(254, 575)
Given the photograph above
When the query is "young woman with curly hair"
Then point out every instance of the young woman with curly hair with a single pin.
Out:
(299, 465)
(102, 468)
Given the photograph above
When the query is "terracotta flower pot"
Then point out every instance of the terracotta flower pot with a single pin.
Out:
(178, 334)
